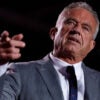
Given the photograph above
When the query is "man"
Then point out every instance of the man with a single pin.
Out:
(74, 37)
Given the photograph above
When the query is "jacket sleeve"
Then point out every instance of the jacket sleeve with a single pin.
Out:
(10, 84)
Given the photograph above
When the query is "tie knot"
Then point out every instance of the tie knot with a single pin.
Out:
(70, 72)
(70, 69)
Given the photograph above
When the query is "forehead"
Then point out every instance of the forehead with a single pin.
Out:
(80, 14)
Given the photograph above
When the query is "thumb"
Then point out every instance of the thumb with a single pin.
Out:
(5, 36)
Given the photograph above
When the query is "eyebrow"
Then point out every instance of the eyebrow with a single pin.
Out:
(71, 19)
(86, 24)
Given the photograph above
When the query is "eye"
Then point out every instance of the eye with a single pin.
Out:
(86, 28)
(70, 22)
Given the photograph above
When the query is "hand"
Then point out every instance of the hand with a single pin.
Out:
(10, 47)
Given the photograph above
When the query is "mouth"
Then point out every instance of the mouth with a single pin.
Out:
(73, 39)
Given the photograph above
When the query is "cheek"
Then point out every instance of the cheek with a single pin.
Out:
(61, 35)
(64, 29)
(57, 39)
(86, 37)
(87, 43)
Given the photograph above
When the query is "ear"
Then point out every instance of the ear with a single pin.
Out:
(52, 32)
(93, 43)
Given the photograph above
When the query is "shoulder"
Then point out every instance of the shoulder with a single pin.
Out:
(23, 69)
(90, 71)
(94, 71)
(30, 65)
(25, 65)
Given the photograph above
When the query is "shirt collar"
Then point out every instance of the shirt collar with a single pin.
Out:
(60, 63)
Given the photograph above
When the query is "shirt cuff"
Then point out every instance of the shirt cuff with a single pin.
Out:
(3, 68)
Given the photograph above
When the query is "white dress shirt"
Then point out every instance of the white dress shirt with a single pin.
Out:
(3, 68)
(58, 64)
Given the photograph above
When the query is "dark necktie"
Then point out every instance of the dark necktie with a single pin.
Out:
(69, 73)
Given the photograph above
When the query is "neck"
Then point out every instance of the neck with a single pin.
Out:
(68, 58)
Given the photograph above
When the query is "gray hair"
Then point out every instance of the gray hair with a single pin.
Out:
(87, 7)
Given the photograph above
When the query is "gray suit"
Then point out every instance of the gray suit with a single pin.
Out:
(38, 80)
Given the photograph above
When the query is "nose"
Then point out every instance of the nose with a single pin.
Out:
(76, 29)
(74, 32)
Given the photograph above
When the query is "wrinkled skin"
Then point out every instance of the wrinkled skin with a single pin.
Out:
(73, 35)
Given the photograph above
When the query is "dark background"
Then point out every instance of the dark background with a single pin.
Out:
(34, 19)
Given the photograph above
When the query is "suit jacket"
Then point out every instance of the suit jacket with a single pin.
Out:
(38, 80)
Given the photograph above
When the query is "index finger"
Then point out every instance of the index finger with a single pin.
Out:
(4, 36)
(18, 37)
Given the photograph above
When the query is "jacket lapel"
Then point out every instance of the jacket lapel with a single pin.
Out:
(91, 84)
(50, 77)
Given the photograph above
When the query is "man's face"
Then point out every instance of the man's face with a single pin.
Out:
(75, 31)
